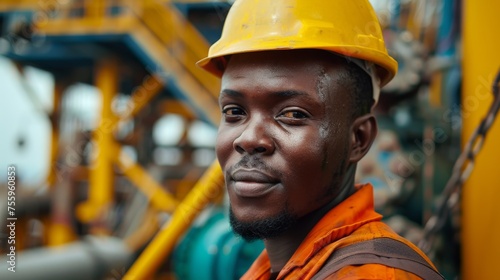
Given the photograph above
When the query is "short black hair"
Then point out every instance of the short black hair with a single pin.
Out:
(357, 81)
(361, 84)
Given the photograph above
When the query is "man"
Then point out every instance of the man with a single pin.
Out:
(299, 79)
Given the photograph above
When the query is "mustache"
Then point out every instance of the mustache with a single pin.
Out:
(254, 162)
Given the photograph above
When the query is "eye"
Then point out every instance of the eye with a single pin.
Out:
(294, 115)
(232, 113)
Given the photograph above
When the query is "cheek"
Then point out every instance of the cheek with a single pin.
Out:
(319, 156)
(223, 146)
(305, 157)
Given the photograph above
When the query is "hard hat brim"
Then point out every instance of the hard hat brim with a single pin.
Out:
(386, 66)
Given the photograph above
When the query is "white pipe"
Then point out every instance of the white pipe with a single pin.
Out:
(89, 259)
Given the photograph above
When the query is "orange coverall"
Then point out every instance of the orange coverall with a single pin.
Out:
(353, 220)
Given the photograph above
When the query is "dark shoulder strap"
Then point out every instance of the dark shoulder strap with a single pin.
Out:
(385, 251)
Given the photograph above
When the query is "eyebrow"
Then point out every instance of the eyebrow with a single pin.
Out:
(230, 92)
(278, 94)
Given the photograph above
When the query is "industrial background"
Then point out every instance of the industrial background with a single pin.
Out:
(111, 128)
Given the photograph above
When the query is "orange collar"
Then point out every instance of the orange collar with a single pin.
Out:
(339, 222)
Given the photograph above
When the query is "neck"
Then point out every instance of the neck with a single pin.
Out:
(281, 248)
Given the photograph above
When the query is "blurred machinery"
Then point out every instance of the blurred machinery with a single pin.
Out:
(119, 202)
(415, 151)
(115, 179)
(214, 250)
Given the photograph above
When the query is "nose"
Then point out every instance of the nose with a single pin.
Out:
(255, 139)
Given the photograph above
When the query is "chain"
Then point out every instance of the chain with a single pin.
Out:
(461, 172)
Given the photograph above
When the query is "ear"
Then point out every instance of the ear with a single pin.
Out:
(364, 130)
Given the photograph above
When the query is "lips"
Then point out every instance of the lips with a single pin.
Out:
(252, 183)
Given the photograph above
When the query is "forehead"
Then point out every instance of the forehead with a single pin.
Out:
(302, 68)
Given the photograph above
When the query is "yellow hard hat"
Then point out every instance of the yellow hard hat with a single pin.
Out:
(346, 27)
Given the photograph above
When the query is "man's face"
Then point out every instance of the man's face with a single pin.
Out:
(284, 137)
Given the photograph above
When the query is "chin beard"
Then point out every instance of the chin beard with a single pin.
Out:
(262, 229)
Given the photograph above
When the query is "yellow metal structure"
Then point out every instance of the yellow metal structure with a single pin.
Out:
(155, 25)
(481, 61)
(100, 195)
(161, 31)
(208, 188)
(149, 25)
(101, 189)
(54, 121)
(59, 234)
(185, 81)
(187, 44)
(10, 5)
(146, 230)
(149, 88)
(159, 199)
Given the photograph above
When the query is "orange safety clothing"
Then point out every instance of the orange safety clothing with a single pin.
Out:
(353, 220)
